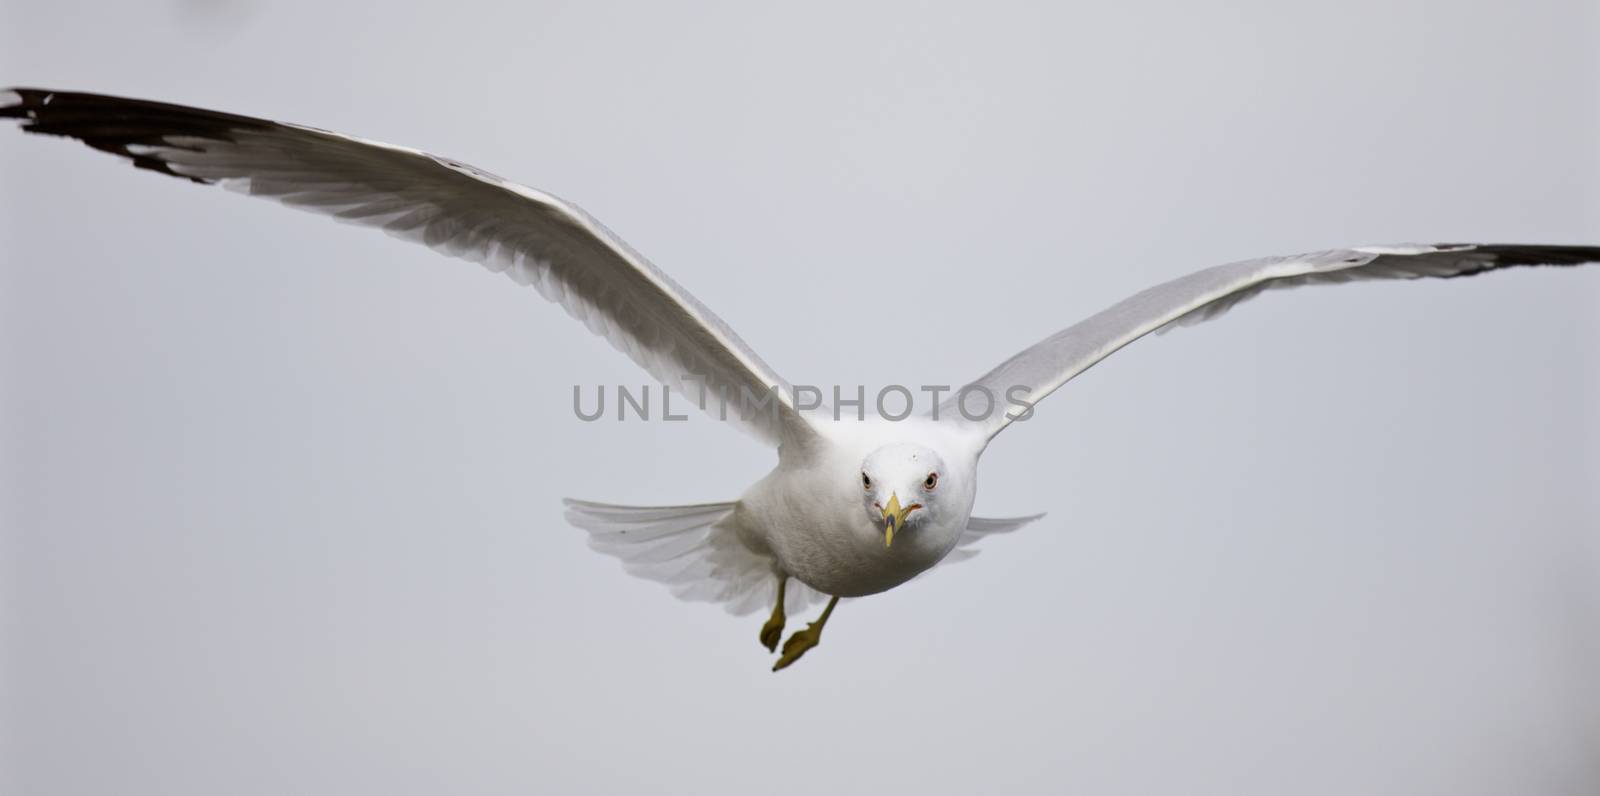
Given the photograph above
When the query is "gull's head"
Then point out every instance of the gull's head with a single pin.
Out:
(900, 488)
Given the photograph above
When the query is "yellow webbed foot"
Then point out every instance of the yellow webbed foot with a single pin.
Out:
(798, 644)
(772, 631)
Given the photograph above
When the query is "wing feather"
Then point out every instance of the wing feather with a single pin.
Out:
(1205, 295)
(689, 550)
(535, 238)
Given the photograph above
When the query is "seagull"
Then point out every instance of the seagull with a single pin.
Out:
(854, 506)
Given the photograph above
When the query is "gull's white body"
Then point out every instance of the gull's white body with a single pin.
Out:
(812, 518)
(807, 512)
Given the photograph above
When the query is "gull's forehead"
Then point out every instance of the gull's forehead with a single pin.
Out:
(902, 457)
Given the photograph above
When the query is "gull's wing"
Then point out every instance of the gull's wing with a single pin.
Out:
(451, 207)
(692, 551)
(1038, 371)
(980, 528)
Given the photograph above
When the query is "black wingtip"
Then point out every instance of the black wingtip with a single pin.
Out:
(119, 125)
(15, 102)
(1511, 255)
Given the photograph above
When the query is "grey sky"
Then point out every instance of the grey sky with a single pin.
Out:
(281, 497)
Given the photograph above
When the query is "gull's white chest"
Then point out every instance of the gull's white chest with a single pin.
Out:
(836, 553)
(812, 521)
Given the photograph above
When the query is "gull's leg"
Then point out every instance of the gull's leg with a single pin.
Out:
(803, 640)
(773, 629)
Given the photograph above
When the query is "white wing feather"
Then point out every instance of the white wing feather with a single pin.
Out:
(534, 237)
(686, 549)
(1204, 295)
(979, 528)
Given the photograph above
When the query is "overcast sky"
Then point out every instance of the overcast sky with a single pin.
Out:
(281, 507)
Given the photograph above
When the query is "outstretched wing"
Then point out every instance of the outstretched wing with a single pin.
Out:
(532, 236)
(1204, 295)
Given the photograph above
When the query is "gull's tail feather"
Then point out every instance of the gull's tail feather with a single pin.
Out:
(690, 550)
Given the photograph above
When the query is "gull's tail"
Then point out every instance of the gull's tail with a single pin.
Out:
(689, 549)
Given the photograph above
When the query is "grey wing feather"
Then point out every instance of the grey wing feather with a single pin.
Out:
(979, 528)
(688, 549)
(1204, 295)
(534, 237)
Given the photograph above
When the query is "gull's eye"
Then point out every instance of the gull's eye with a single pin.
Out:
(930, 482)
(866, 483)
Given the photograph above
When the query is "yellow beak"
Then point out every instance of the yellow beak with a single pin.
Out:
(895, 517)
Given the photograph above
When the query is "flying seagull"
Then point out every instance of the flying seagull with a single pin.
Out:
(854, 507)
